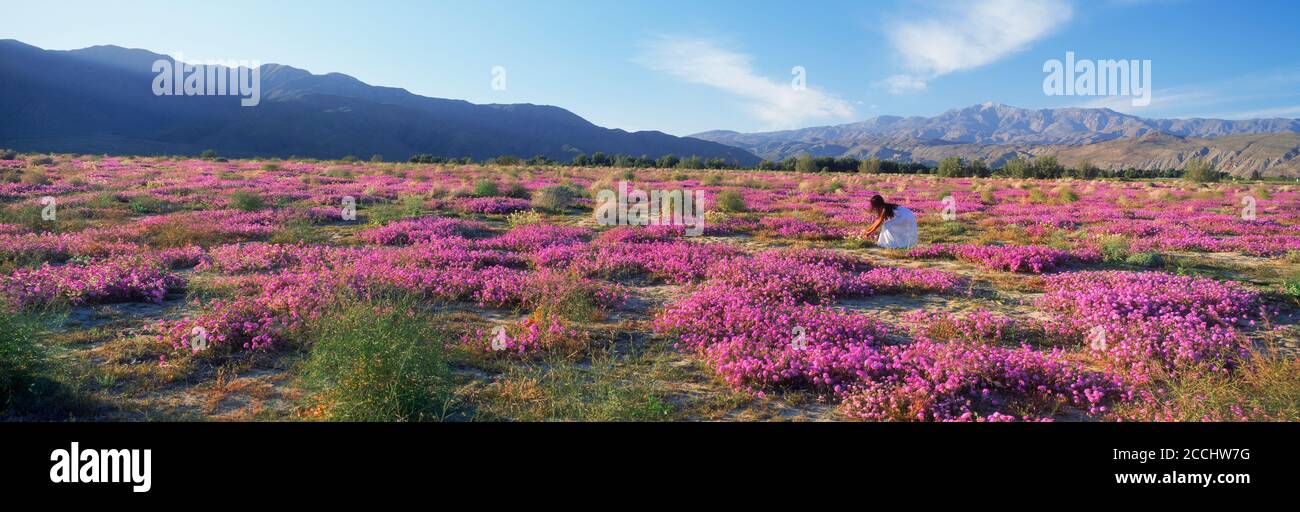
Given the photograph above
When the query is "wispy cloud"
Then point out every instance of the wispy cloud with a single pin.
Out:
(902, 84)
(1292, 111)
(967, 35)
(778, 103)
(1264, 94)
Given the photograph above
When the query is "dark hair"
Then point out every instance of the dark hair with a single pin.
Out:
(878, 204)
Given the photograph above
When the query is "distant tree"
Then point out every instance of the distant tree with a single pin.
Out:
(1016, 168)
(805, 163)
(425, 158)
(581, 160)
(692, 162)
(208, 154)
(1199, 170)
(950, 167)
(977, 168)
(730, 201)
(1047, 167)
(667, 161)
(600, 159)
(1086, 170)
(376, 158)
(870, 166)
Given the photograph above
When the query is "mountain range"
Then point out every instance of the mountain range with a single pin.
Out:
(101, 100)
(996, 133)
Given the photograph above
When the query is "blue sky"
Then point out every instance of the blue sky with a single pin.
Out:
(689, 66)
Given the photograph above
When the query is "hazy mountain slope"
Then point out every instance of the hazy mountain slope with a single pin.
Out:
(997, 132)
(1269, 154)
(100, 99)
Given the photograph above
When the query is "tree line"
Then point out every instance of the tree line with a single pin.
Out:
(1044, 167)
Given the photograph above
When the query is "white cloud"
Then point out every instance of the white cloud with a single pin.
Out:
(902, 84)
(776, 102)
(1292, 111)
(1264, 94)
(967, 35)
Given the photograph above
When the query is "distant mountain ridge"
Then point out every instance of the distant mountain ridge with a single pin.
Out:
(99, 100)
(998, 132)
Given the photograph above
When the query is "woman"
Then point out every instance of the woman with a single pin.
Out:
(896, 224)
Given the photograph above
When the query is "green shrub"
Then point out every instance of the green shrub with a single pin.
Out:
(1198, 170)
(247, 200)
(299, 231)
(8, 154)
(517, 190)
(35, 176)
(25, 214)
(41, 160)
(952, 228)
(340, 172)
(556, 198)
(106, 201)
(523, 218)
(605, 387)
(378, 360)
(208, 154)
(1263, 388)
(1291, 286)
(486, 188)
(412, 205)
(1144, 259)
(145, 204)
(731, 201)
(22, 357)
(1114, 249)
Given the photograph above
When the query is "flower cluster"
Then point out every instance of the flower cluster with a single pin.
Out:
(787, 227)
(420, 229)
(927, 381)
(122, 279)
(978, 326)
(1138, 319)
(1011, 258)
(497, 205)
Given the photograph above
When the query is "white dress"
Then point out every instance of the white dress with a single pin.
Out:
(900, 231)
